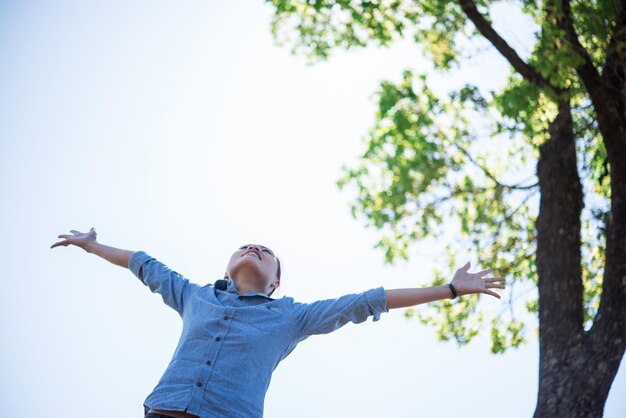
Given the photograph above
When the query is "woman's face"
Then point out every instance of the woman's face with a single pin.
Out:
(256, 265)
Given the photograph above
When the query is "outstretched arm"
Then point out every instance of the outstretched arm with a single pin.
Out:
(172, 286)
(87, 241)
(465, 283)
(328, 315)
(116, 256)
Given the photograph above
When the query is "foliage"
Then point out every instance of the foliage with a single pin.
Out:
(426, 160)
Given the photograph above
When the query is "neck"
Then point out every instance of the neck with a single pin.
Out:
(244, 288)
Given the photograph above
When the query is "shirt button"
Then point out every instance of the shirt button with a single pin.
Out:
(199, 384)
(208, 362)
(218, 338)
(226, 318)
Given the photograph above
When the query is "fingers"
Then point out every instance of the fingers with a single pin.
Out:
(483, 272)
(489, 292)
(494, 285)
(75, 231)
(495, 279)
(56, 244)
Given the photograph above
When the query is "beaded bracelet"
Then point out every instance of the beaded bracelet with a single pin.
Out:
(451, 286)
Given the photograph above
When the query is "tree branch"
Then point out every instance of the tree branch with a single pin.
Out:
(610, 122)
(615, 62)
(491, 176)
(587, 71)
(485, 28)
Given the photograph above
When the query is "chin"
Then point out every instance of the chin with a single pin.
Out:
(245, 264)
(242, 264)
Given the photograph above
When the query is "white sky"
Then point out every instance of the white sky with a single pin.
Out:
(180, 129)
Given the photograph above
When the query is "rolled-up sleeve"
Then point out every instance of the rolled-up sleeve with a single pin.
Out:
(327, 315)
(172, 286)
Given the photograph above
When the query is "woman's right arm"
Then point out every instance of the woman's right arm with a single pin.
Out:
(174, 288)
(87, 241)
(114, 255)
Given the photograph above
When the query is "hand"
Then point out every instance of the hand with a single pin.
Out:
(468, 283)
(80, 239)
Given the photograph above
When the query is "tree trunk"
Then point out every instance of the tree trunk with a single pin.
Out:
(576, 368)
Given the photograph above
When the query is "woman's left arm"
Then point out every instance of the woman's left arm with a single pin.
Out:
(465, 283)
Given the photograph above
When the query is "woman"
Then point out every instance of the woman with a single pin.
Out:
(235, 334)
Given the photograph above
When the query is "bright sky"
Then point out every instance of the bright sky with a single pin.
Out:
(180, 129)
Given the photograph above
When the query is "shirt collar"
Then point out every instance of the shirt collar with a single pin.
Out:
(231, 288)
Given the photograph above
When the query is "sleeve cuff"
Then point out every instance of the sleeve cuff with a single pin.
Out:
(136, 260)
(377, 300)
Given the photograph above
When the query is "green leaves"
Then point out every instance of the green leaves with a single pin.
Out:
(504, 335)
(405, 149)
(418, 169)
(427, 159)
(314, 28)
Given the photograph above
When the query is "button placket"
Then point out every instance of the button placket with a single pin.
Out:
(226, 317)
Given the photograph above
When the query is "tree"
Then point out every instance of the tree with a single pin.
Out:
(561, 109)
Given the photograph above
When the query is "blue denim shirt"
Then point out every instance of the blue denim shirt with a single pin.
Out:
(231, 343)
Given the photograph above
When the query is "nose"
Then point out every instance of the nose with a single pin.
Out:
(253, 246)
